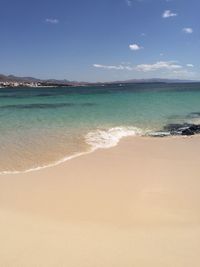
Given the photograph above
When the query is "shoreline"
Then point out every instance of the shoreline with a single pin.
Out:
(92, 150)
(136, 203)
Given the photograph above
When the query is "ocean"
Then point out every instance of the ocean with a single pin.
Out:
(45, 126)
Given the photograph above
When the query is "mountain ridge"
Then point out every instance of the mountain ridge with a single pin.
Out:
(13, 78)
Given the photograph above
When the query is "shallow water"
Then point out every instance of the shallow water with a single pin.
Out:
(40, 126)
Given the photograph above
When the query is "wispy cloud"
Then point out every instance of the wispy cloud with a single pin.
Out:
(190, 65)
(183, 73)
(170, 68)
(112, 67)
(160, 65)
(52, 21)
(129, 2)
(168, 14)
(135, 47)
(188, 30)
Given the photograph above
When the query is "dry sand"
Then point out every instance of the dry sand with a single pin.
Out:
(134, 205)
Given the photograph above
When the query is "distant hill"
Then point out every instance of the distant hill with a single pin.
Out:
(12, 78)
(155, 80)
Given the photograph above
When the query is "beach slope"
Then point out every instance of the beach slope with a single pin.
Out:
(137, 204)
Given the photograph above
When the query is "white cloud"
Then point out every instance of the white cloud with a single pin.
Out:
(190, 65)
(52, 21)
(160, 65)
(170, 68)
(135, 47)
(168, 14)
(129, 2)
(183, 73)
(188, 30)
(112, 67)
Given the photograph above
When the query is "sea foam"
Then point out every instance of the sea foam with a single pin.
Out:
(108, 138)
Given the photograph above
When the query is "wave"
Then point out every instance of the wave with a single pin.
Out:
(96, 139)
(111, 137)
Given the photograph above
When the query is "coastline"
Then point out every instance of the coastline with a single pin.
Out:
(46, 127)
(135, 203)
(98, 139)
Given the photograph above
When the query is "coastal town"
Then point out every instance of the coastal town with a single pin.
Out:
(12, 81)
(20, 84)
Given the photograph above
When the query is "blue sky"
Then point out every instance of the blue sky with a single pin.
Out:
(100, 40)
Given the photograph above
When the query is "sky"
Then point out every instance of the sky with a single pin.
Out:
(100, 40)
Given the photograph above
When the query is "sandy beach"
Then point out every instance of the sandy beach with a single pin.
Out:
(137, 204)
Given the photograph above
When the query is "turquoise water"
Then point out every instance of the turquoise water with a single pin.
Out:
(40, 126)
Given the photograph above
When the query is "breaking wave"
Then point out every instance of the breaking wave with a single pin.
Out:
(111, 137)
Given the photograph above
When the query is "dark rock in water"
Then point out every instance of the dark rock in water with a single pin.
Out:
(187, 132)
(176, 129)
(176, 126)
(195, 128)
(186, 129)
